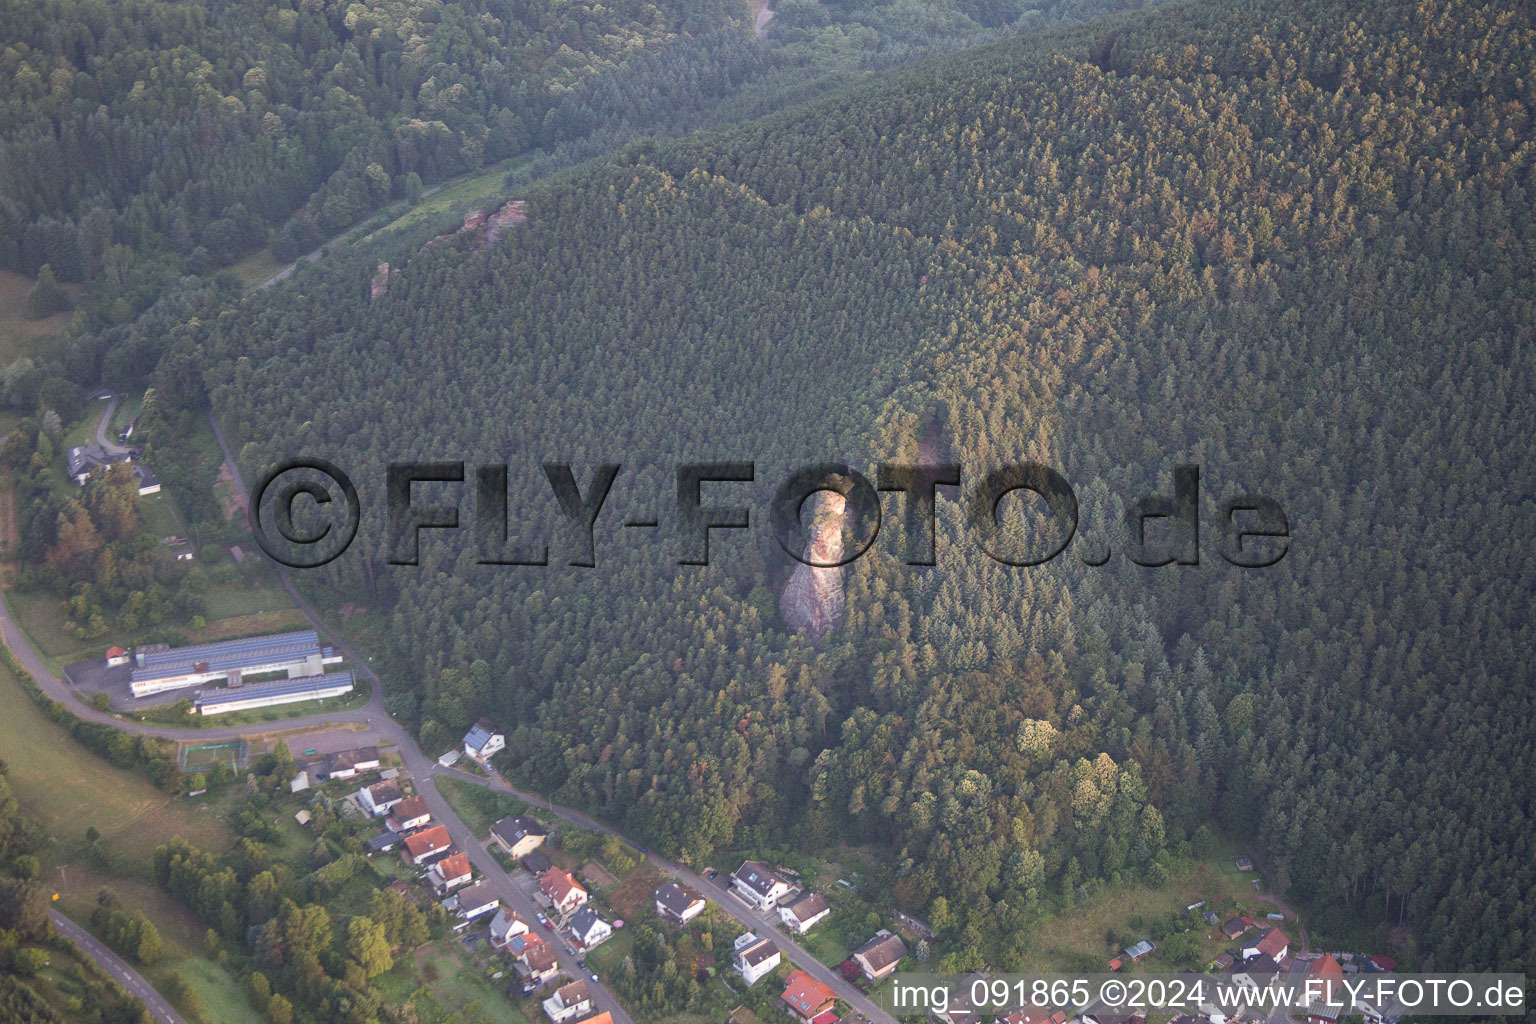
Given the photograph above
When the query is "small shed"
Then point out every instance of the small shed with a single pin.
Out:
(302, 817)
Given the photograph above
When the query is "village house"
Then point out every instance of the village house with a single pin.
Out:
(345, 764)
(754, 957)
(806, 997)
(116, 656)
(449, 873)
(1270, 942)
(505, 925)
(536, 863)
(678, 903)
(801, 913)
(518, 835)
(379, 798)
(480, 898)
(560, 886)
(1234, 927)
(484, 741)
(570, 1002)
(759, 886)
(878, 957)
(539, 963)
(588, 929)
(422, 846)
(1256, 973)
(408, 814)
(1323, 995)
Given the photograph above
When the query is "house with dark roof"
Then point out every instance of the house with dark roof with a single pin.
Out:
(1234, 927)
(519, 835)
(678, 903)
(878, 957)
(480, 898)
(1257, 972)
(384, 842)
(803, 912)
(536, 863)
(87, 459)
(484, 740)
(759, 885)
(753, 957)
(380, 797)
(344, 764)
(587, 928)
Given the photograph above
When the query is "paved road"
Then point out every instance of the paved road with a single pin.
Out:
(423, 769)
(112, 447)
(118, 968)
(765, 925)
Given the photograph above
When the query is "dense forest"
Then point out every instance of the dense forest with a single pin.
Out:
(147, 143)
(1289, 242)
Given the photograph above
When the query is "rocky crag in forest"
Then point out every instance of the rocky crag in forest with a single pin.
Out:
(812, 601)
(1290, 242)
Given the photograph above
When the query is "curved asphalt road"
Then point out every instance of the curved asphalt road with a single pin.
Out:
(422, 769)
(118, 968)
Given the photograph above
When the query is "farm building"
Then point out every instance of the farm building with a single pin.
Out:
(158, 667)
(281, 691)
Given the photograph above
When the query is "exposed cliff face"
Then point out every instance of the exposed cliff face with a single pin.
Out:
(813, 599)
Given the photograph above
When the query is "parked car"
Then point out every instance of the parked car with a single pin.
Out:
(545, 921)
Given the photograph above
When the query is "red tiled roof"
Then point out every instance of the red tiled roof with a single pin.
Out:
(115, 652)
(1272, 942)
(558, 884)
(455, 865)
(427, 841)
(805, 995)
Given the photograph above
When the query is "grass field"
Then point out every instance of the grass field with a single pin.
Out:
(67, 790)
(460, 192)
(1081, 934)
(454, 981)
(479, 807)
(20, 335)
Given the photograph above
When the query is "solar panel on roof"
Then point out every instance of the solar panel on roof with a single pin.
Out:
(227, 655)
(281, 688)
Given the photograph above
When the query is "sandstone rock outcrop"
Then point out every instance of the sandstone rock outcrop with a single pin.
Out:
(812, 601)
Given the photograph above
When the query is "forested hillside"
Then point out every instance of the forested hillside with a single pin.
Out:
(1290, 242)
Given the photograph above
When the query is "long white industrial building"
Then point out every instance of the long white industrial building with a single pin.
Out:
(281, 691)
(158, 667)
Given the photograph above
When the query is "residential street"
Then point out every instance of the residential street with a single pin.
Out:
(422, 768)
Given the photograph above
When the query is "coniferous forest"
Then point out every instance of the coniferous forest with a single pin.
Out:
(1290, 242)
